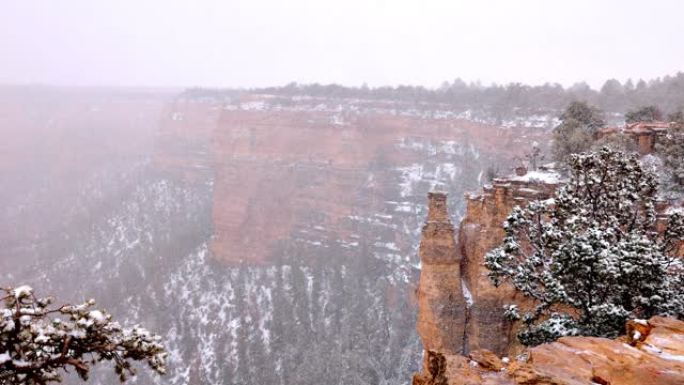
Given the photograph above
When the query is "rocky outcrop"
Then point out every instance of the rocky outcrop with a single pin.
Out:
(476, 318)
(644, 134)
(652, 353)
(441, 302)
(460, 310)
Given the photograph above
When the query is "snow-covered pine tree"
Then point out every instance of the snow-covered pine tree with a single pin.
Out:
(591, 257)
(39, 341)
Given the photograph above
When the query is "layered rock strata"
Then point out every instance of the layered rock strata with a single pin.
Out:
(305, 176)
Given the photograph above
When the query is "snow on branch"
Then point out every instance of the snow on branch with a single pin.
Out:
(39, 341)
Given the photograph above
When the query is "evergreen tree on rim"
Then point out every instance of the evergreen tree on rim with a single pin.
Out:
(575, 134)
(591, 257)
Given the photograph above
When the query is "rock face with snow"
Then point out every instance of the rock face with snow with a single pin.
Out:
(652, 353)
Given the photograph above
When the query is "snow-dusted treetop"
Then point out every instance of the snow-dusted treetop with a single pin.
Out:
(39, 341)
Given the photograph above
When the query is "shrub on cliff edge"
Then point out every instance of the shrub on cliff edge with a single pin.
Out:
(591, 257)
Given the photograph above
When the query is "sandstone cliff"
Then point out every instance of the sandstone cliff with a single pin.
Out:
(305, 176)
(651, 353)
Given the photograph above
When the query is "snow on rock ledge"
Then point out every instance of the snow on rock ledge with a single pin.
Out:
(655, 358)
(538, 176)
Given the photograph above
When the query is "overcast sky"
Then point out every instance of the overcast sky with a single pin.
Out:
(272, 42)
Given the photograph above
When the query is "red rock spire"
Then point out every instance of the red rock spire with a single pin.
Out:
(441, 313)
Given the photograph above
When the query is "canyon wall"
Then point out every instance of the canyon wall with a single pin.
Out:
(269, 240)
(310, 175)
(318, 203)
